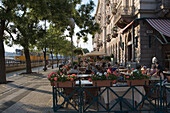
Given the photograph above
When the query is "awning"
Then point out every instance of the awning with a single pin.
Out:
(94, 53)
(161, 25)
(122, 30)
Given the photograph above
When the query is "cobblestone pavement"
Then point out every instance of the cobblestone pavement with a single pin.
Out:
(27, 93)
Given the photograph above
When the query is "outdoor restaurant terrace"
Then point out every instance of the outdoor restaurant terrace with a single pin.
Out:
(95, 85)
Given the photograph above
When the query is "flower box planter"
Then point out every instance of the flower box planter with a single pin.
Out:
(138, 82)
(104, 83)
(52, 83)
(65, 84)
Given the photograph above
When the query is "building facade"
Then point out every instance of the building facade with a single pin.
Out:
(134, 30)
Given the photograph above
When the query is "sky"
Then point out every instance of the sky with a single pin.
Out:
(81, 44)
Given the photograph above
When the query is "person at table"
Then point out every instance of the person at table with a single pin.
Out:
(73, 70)
(109, 70)
(153, 70)
(144, 70)
(159, 71)
(88, 69)
(115, 66)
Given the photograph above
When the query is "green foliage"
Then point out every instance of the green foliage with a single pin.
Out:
(78, 51)
(108, 58)
(105, 76)
(85, 50)
(60, 77)
(137, 75)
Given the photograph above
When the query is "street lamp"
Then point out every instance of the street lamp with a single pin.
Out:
(45, 61)
(72, 25)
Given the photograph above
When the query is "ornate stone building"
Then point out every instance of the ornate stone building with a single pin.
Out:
(134, 30)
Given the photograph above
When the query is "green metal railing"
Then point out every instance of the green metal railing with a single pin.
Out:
(82, 99)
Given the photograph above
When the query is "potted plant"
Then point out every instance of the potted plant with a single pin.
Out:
(62, 80)
(106, 79)
(114, 32)
(108, 38)
(137, 78)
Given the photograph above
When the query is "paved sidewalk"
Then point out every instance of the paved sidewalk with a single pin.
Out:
(27, 93)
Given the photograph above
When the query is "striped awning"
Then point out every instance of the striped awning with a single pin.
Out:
(161, 25)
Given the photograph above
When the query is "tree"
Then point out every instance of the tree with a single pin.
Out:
(6, 16)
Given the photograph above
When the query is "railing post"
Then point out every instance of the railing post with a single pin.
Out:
(160, 91)
(54, 107)
(80, 99)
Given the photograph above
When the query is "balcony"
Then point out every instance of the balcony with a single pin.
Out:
(114, 10)
(163, 8)
(124, 15)
(108, 38)
(114, 32)
(99, 16)
(107, 2)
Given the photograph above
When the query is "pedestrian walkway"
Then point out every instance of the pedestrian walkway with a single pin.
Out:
(27, 93)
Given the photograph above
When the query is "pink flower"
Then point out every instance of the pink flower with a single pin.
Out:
(55, 78)
(92, 73)
(114, 72)
(127, 77)
(132, 68)
(114, 81)
(107, 75)
(89, 79)
(108, 71)
(68, 75)
(73, 75)
(71, 79)
(51, 78)
(61, 73)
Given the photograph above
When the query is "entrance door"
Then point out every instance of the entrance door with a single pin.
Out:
(129, 52)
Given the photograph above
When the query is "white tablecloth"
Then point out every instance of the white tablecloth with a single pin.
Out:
(120, 91)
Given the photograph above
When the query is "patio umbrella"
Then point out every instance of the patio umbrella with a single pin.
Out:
(94, 53)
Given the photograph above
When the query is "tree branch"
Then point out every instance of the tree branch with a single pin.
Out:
(10, 34)
(2, 7)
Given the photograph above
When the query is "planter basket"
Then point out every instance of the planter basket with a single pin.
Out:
(52, 83)
(65, 84)
(138, 82)
(104, 83)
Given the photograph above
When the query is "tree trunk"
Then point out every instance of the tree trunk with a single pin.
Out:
(57, 59)
(28, 61)
(2, 55)
(45, 61)
(52, 59)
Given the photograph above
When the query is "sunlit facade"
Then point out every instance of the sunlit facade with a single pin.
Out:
(127, 34)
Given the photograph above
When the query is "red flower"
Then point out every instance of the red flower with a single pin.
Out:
(127, 77)
(61, 73)
(73, 75)
(68, 75)
(92, 73)
(71, 79)
(107, 75)
(114, 81)
(55, 78)
(89, 79)
(132, 68)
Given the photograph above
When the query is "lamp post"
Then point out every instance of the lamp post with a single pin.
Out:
(45, 61)
(72, 25)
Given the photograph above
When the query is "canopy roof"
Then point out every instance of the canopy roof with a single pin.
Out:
(161, 25)
(94, 53)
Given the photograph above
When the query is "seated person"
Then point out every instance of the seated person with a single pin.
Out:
(109, 70)
(159, 71)
(152, 70)
(73, 70)
(115, 66)
(88, 69)
(144, 70)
